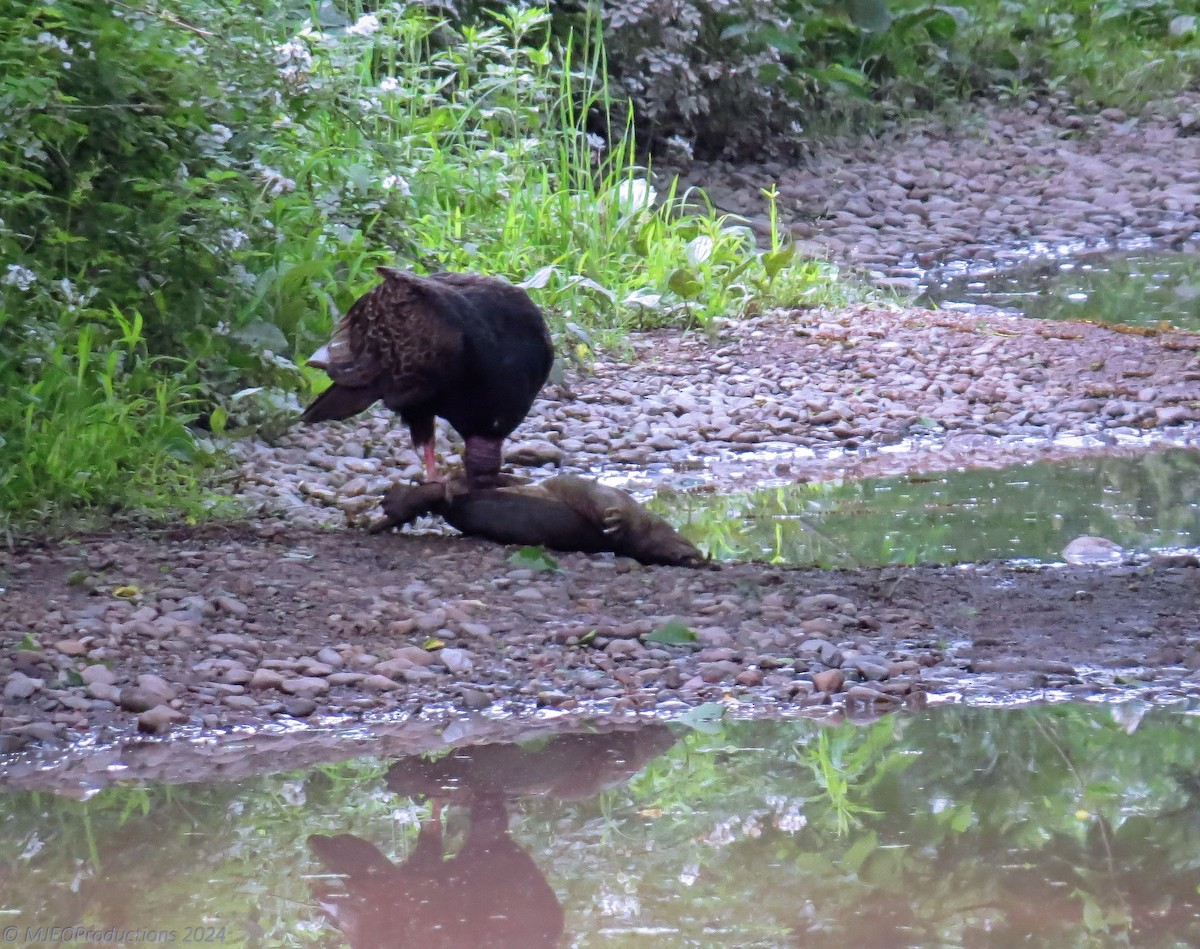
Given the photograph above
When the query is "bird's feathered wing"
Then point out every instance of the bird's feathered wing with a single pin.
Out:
(399, 342)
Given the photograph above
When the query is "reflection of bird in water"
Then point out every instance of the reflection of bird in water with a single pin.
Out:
(472, 349)
(490, 894)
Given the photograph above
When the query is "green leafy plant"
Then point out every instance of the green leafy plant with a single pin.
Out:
(672, 633)
(533, 558)
(193, 197)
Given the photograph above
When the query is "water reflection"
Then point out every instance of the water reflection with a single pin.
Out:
(1141, 288)
(490, 892)
(1054, 826)
(1025, 511)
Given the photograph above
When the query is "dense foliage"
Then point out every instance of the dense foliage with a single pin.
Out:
(191, 193)
(737, 76)
(193, 197)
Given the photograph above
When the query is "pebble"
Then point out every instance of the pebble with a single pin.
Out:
(266, 679)
(457, 661)
(20, 686)
(304, 685)
(159, 719)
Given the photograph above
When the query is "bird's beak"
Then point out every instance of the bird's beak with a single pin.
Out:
(320, 359)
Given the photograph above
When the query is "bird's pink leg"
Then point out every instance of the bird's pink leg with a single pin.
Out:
(430, 463)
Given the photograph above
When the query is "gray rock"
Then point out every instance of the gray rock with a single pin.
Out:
(98, 675)
(266, 679)
(21, 686)
(159, 719)
(303, 686)
(457, 661)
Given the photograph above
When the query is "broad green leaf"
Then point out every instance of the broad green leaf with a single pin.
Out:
(699, 249)
(705, 718)
(872, 16)
(539, 278)
(533, 558)
(775, 260)
(672, 633)
(685, 284)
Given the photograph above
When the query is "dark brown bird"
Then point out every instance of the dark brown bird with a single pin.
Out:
(472, 349)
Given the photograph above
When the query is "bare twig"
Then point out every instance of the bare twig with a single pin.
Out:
(167, 18)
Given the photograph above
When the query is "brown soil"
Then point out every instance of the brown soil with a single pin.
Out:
(198, 630)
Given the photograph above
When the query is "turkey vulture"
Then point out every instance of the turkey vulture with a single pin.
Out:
(473, 349)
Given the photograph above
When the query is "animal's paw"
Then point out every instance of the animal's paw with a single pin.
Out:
(612, 521)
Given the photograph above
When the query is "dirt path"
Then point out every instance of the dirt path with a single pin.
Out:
(242, 626)
(275, 621)
(797, 396)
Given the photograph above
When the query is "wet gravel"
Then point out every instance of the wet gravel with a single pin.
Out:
(791, 396)
(240, 626)
(294, 619)
(985, 187)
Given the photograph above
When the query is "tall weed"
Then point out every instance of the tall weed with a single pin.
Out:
(233, 173)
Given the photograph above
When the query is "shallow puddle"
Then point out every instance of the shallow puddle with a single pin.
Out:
(1029, 511)
(1066, 825)
(1140, 288)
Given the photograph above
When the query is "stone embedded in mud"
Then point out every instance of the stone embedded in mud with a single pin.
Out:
(457, 661)
(21, 686)
(304, 686)
(137, 700)
(265, 679)
(829, 680)
(98, 674)
(159, 719)
(1092, 550)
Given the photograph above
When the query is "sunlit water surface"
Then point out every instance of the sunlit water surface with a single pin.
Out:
(1069, 825)
(1139, 288)
(1029, 511)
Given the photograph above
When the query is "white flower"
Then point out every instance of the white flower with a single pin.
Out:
(389, 84)
(222, 328)
(242, 277)
(689, 874)
(595, 142)
(71, 296)
(274, 181)
(395, 181)
(366, 25)
(20, 277)
(791, 820)
(293, 51)
(50, 40)
(232, 238)
(294, 61)
(213, 140)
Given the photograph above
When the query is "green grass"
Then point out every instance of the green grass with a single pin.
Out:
(191, 199)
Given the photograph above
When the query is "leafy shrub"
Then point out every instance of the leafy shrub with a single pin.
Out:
(740, 77)
(226, 177)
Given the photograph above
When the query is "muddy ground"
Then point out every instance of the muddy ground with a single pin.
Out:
(252, 624)
(297, 623)
(276, 621)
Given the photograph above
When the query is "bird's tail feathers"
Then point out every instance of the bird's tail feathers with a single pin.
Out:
(339, 402)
